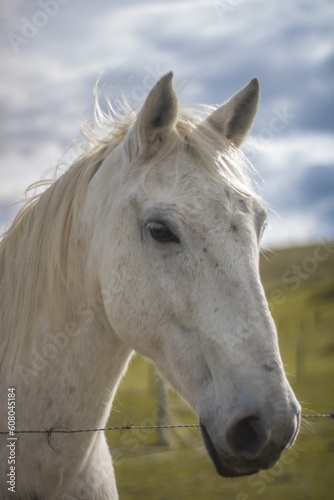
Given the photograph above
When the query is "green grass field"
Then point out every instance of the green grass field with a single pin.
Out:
(299, 284)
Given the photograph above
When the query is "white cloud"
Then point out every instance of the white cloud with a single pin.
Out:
(287, 166)
(292, 230)
(288, 153)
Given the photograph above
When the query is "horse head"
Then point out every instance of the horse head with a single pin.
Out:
(180, 227)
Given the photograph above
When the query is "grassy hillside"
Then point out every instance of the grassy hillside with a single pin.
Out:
(299, 284)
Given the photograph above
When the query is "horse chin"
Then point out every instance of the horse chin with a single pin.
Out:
(231, 467)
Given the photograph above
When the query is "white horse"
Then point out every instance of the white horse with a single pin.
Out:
(148, 242)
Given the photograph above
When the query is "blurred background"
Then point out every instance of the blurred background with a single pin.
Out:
(52, 52)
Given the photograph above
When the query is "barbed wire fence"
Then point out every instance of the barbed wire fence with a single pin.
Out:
(128, 426)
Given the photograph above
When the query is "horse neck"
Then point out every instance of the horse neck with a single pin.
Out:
(60, 347)
(77, 358)
(70, 376)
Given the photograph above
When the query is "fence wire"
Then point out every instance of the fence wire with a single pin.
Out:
(128, 427)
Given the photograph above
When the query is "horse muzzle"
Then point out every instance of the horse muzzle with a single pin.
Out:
(250, 445)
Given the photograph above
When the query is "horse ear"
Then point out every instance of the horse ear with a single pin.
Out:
(159, 112)
(234, 118)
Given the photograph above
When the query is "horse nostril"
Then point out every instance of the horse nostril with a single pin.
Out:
(247, 437)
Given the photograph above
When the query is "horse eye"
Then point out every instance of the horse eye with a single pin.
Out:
(161, 233)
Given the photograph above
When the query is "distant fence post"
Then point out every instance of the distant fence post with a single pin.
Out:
(299, 358)
(301, 349)
(162, 411)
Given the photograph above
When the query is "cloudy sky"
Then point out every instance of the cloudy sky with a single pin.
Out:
(52, 52)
